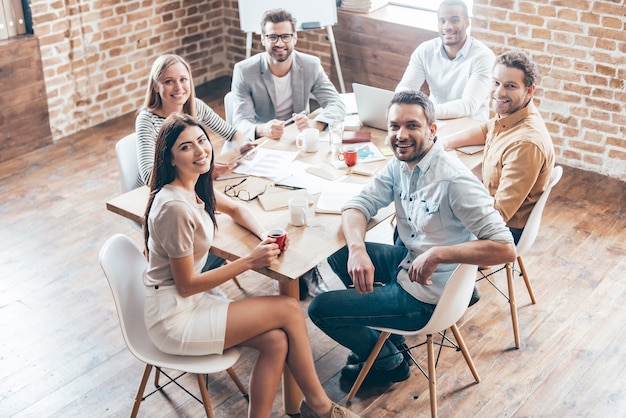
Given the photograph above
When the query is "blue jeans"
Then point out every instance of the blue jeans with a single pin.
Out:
(344, 315)
(212, 262)
(517, 234)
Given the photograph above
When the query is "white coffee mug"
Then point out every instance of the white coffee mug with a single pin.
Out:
(298, 211)
(308, 140)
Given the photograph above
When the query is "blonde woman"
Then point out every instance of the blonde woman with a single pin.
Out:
(170, 89)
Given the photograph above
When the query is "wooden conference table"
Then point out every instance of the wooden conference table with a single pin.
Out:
(308, 245)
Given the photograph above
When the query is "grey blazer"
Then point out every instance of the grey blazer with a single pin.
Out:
(254, 91)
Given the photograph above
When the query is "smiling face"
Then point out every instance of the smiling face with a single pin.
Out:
(191, 153)
(508, 91)
(409, 134)
(452, 25)
(279, 51)
(174, 87)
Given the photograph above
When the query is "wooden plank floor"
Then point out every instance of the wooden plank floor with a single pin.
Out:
(62, 353)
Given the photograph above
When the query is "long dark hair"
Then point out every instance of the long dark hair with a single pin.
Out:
(164, 173)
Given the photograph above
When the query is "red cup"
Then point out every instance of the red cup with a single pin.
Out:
(280, 235)
(349, 155)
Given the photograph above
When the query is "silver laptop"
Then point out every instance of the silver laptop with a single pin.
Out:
(372, 103)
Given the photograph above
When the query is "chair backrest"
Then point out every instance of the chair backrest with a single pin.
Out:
(228, 107)
(454, 299)
(534, 220)
(126, 152)
(123, 265)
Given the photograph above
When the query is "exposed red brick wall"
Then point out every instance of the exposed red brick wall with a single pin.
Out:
(97, 55)
(580, 47)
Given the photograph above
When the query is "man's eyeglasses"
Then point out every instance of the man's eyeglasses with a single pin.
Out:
(285, 37)
(242, 194)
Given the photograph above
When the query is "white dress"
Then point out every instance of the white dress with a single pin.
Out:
(195, 325)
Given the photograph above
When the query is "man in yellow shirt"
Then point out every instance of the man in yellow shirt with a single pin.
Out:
(519, 154)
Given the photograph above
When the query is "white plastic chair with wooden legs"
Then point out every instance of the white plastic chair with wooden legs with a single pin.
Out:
(526, 241)
(123, 265)
(451, 306)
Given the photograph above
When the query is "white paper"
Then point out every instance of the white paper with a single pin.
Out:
(267, 163)
(349, 101)
(298, 177)
(471, 149)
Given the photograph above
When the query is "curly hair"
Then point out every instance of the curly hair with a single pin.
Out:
(521, 61)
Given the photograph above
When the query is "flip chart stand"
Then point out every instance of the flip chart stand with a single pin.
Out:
(333, 46)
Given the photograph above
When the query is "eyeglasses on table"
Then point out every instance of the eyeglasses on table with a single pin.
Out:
(242, 194)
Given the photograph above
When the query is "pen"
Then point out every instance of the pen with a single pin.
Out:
(290, 120)
(234, 176)
(250, 151)
(286, 186)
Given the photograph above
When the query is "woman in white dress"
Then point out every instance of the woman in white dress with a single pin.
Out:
(185, 313)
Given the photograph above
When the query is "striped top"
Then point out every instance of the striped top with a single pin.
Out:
(148, 124)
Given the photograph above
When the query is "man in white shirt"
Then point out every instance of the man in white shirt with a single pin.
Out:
(456, 67)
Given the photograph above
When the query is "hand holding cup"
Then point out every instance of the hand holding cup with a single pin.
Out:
(280, 238)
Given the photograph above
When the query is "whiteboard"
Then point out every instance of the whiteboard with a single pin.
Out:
(323, 12)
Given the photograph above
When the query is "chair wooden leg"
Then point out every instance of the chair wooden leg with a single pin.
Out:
(237, 283)
(235, 379)
(142, 388)
(432, 376)
(509, 278)
(368, 364)
(157, 375)
(465, 351)
(526, 279)
(205, 395)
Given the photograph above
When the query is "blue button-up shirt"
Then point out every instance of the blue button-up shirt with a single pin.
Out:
(438, 203)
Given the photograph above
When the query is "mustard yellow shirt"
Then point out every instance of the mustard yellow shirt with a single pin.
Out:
(517, 163)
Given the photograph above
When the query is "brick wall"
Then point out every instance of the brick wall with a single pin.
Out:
(580, 47)
(97, 55)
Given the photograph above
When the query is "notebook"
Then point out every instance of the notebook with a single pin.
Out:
(335, 195)
(372, 102)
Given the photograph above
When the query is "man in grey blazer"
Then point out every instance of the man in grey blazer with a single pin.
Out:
(276, 85)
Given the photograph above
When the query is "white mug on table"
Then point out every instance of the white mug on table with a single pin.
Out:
(298, 211)
(308, 140)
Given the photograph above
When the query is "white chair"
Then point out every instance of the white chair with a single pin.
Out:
(123, 265)
(526, 241)
(126, 152)
(451, 306)
(229, 103)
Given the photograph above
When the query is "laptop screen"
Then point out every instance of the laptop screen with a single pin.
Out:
(372, 103)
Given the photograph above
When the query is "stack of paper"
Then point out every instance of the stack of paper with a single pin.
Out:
(349, 101)
(363, 6)
(266, 163)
